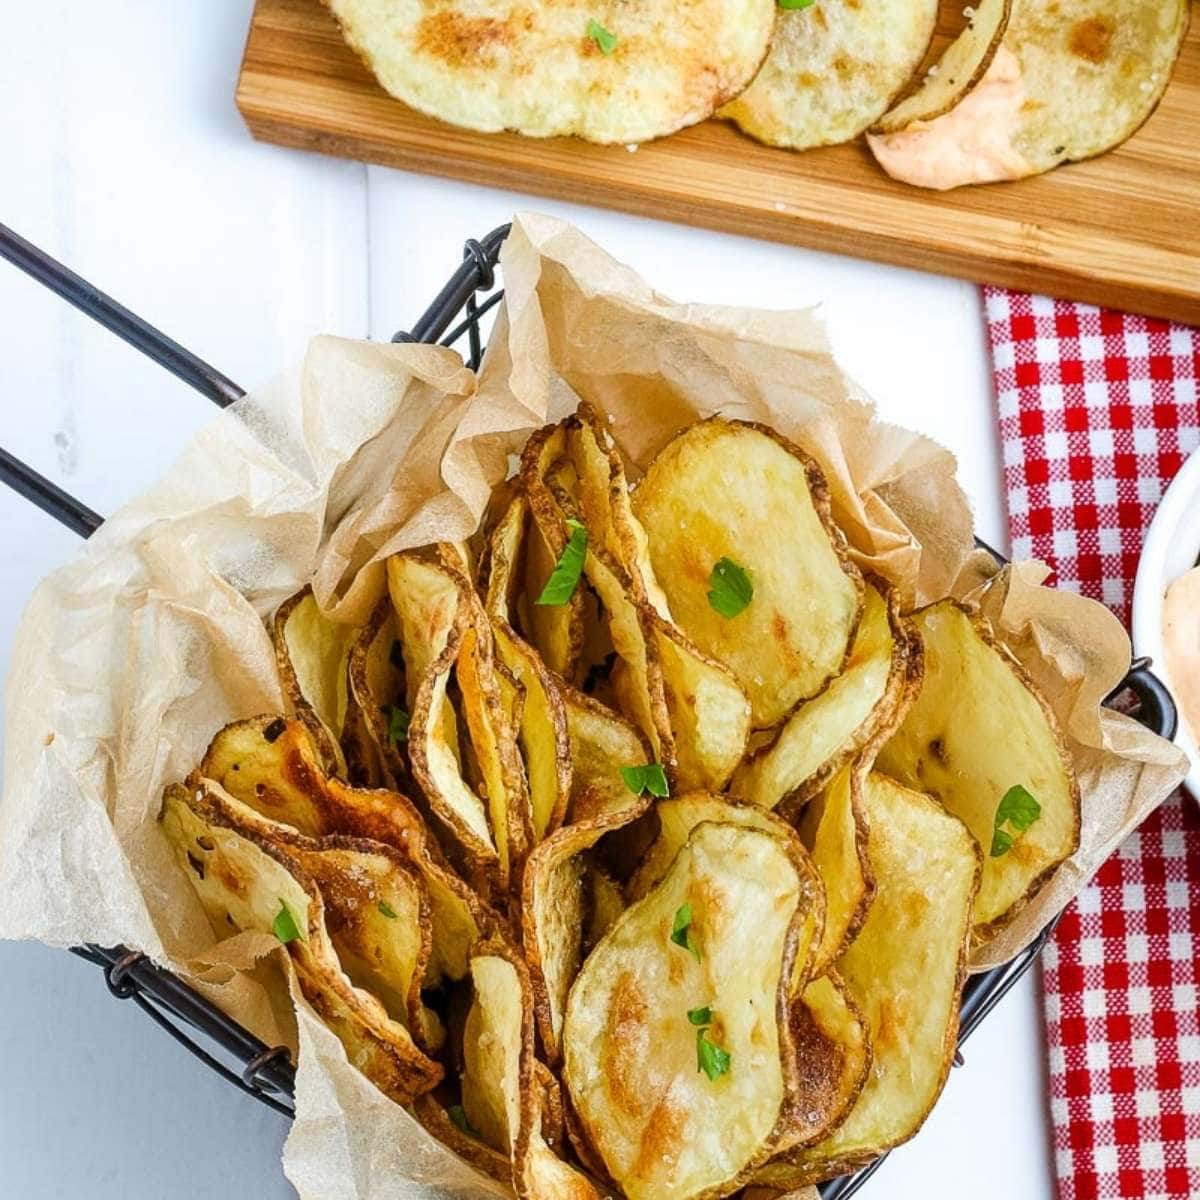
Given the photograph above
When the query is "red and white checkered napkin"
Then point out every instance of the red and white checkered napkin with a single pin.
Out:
(1098, 410)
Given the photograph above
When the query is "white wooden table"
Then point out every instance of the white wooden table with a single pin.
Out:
(124, 156)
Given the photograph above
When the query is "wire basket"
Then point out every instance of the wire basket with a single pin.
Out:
(266, 1072)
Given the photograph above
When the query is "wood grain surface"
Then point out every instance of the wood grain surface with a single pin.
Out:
(1122, 229)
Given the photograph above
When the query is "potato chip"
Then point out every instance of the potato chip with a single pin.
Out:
(553, 899)
(270, 765)
(834, 66)
(1061, 82)
(978, 730)
(616, 76)
(689, 708)
(834, 829)
(250, 882)
(379, 692)
(878, 682)
(501, 1096)
(603, 903)
(905, 971)
(311, 653)
(677, 1045)
(543, 724)
(740, 499)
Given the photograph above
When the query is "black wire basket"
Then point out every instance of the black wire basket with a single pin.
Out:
(266, 1072)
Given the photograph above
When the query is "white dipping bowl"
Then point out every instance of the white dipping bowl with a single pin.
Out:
(1172, 547)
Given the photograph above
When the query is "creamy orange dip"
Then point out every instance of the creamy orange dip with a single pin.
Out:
(1181, 645)
(972, 143)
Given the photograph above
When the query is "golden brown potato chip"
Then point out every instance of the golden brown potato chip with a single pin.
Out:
(553, 898)
(247, 881)
(603, 903)
(502, 1098)
(688, 706)
(543, 724)
(379, 692)
(311, 653)
(725, 492)
(977, 731)
(905, 971)
(834, 829)
(677, 1044)
(270, 765)
(877, 684)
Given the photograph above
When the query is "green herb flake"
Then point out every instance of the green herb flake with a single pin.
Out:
(649, 777)
(681, 930)
(731, 588)
(387, 910)
(564, 579)
(285, 926)
(397, 724)
(700, 1016)
(1018, 809)
(458, 1115)
(606, 41)
(791, 5)
(710, 1058)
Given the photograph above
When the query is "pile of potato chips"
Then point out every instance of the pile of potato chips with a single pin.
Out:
(639, 845)
(1027, 85)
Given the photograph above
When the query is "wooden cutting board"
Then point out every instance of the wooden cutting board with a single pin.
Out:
(1122, 229)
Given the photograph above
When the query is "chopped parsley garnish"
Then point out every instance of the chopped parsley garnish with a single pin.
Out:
(681, 930)
(710, 1058)
(387, 910)
(605, 40)
(731, 589)
(397, 724)
(700, 1016)
(564, 579)
(649, 777)
(1018, 810)
(285, 926)
(794, 4)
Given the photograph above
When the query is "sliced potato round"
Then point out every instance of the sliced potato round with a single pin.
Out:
(609, 73)
(377, 689)
(904, 971)
(833, 67)
(1068, 80)
(978, 729)
(728, 490)
(248, 881)
(663, 1127)
(880, 679)
(960, 68)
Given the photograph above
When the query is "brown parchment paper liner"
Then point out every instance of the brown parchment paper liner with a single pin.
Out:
(133, 655)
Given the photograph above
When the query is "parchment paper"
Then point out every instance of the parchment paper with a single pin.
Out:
(131, 657)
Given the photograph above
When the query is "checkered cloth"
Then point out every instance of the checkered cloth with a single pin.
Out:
(1098, 410)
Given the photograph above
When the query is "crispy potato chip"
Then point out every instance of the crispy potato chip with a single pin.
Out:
(378, 689)
(270, 765)
(502, 1096)
(553, 899)
(543, 723)
(961, 67)
(311, 653)
(833, 1056)
(833, 67)
(663, 1127)
(879, 681)
(688, 706)
(603, 903)
(741, 492)
(905, 971)
(614, 76)
(1066, 81)
(247, 881)
(834, 829)
(978, 729)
